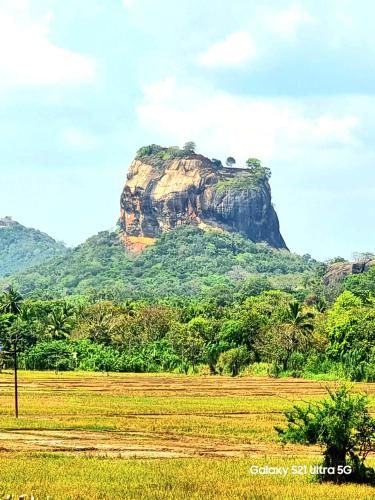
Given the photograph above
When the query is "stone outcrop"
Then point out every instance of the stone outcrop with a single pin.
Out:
(160, 195)
(7, 221)
(338, 271)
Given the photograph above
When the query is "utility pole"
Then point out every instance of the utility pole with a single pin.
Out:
(15, 380)
(15, 374)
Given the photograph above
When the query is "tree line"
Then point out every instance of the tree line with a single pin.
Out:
(268, 330)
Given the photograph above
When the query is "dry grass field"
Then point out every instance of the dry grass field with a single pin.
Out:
(86, 435)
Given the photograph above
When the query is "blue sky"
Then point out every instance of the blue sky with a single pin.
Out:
(84, 84)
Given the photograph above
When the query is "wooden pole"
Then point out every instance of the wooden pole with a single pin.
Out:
(15, 381)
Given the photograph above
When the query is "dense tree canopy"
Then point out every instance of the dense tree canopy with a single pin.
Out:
(195, 299)
(21, 247)
(187, 262)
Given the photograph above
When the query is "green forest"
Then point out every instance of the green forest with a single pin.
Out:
(21, 247)
(186, 262)
(196, 302)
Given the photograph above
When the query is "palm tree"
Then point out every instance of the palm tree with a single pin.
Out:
(59, 323)
(295, 330)
(11, 305)
(298, 318)
(11, 301)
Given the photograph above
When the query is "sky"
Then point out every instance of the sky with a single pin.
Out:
(84, 84)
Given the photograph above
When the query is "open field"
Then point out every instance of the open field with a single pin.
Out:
(85, 435)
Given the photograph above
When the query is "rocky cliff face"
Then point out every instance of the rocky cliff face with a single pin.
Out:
(160, 195)
(339, 271)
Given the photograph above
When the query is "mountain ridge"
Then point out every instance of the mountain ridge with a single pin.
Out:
(22, 247)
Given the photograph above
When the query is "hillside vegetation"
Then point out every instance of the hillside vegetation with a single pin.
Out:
(195, 299)
(21, 247)
(186, 262)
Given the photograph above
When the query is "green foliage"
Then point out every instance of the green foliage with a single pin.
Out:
(232, 361)
(22, 247)
(259, 172)
(11, 301)
(173, 152)
(232, 333)
(288, 332)
(152, 149)
(186, 262)
(342, 425)
(216, 162)
(190, 340)
(253, 163)
(351, 332)
(88, 267)
(189, 147)
(161, 153)
(336, 260)
(230, 161)
(62, 355)
(245, 182)
(195, 297)
(49, 355)
(182, 332)
(362, 285)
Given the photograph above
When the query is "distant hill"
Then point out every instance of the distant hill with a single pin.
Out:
(187, 261)
(21, 247)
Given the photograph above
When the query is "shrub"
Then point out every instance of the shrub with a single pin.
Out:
(148, 150)
(98, 357)
(233, 361)
(189, 147)
(216, 162)
(274, 370)
(343, 427)
(296, 361)
(55, 354)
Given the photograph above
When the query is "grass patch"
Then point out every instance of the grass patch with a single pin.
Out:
(196, 414)
(58, 476)
(247, 181)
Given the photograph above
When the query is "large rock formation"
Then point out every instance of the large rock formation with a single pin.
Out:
(161, 194)
(340, 270)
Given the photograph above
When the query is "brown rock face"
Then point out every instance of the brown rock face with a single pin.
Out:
(338, 271)
(160, 195)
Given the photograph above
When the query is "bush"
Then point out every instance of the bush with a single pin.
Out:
(314, 364)
(148, 150)
(257, 369)
(343, 427)
(98, 357)
(160, 356)
(52, 355)
(369, 372)
(296, 362)
(232, 361)
(274, 370)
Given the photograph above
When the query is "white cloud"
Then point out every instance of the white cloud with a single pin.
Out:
(79, 139)
(223, 124)
(234, 50)
(287, 22)
(161, 90)
(128, 3)
(29, 57)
